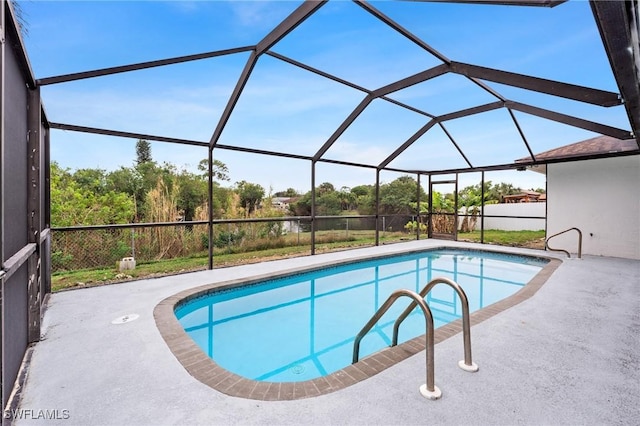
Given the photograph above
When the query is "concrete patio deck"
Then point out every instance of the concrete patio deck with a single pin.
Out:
(568, 355)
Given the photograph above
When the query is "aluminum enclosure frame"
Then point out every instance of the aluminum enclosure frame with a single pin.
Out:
(24, 162)
(609, 18)
(24, 205)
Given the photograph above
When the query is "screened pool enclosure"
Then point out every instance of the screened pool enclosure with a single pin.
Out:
(380, 89)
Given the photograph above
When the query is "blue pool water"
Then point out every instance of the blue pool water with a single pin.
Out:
(303, 326)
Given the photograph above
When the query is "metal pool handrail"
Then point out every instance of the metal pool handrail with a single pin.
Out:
(546, 243)
(467, 364)
(429, 390)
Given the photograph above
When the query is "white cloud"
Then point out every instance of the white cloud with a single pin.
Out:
(261, 14)
(165, 114)
(545, 52)
(357, 152)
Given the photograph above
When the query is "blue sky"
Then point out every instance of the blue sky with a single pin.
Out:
(284, 108)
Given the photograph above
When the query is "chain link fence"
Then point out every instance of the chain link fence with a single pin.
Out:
(94, 247)
(78, 248)
(85, 248)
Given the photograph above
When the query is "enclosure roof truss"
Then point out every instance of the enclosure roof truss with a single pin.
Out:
(617, 22)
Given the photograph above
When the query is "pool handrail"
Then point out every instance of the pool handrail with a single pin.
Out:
(546, 243)
(467, 364)
(429, 390)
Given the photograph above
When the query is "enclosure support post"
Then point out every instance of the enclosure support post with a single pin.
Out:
(133, 243)
(482, 209)
(418, 209)
(34, 123)
(313, 207)
(430, 212)
(2, 221)
(455, 211)
(377, 207)
(210, 196)
(45, 251)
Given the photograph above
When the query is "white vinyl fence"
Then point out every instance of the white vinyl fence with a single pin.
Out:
(521, 223)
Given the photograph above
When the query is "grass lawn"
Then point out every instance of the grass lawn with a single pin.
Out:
(528, 239)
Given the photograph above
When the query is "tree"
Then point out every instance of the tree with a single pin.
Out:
(290, 193)
(92, 180)
(364, 198)
(347, 198)
(225, 201)
(250, 195)
(302, 207)
(219, 170)
(73, 203)
(192, 194)
(329, 204)
(499, 191)
(400, 196)
(362, 190)
(143, 152)
(126, 180)
(136, 182)
(470, 198)
(325, 188)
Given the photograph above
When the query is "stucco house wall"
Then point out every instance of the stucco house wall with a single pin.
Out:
(600, 197)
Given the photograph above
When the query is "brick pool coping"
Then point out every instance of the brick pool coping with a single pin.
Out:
(204, 369)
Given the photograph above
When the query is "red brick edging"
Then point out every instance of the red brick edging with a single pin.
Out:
(204, 369)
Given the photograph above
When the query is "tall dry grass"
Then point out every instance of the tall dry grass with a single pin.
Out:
(169, 241)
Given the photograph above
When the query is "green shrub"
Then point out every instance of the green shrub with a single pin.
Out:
(412, 226)
(61, 261)
(225, 239)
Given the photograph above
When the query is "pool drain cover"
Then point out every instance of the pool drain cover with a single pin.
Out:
(297, 369)
(125, 319)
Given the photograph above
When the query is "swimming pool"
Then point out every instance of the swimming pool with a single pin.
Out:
(301, 327)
